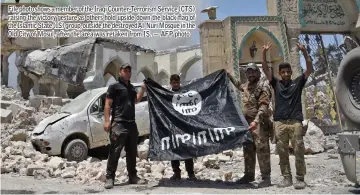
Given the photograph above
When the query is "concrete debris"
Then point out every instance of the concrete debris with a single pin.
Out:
(5, 104)
(6, 116)
(9, 94)
(41, 100)
(24, 115)
(16, 108)
(19, 157)
(227, 176)
(314, 139)
(143, 149)
(228, 153)
(65, 101)
(69, 62)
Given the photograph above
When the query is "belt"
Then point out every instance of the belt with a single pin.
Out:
(124, 120)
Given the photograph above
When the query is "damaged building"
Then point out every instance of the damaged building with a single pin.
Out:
(66, 67)
(68, 70)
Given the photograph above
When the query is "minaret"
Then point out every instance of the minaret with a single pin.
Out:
(272, 7)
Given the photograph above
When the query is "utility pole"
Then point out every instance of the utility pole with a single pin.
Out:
(330, 79)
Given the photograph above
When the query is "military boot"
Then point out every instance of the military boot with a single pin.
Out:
(136, 180)
(192, 177)
(109, 183)
(286, 182)
(176, 176)
(299, 184)
(264, 182)
(246, 179)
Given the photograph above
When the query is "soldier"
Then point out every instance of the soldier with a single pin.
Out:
(121, 97)
(256, 99)
(288, 117)
(175, 164)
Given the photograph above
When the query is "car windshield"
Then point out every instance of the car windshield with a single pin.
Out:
(80, 102)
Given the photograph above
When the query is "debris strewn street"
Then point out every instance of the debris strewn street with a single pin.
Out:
(23, 168)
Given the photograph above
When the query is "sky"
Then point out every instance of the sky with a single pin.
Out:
(225, 8)
(228, 8)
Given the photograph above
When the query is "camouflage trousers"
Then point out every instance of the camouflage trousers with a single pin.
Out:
(290, 130)
(261, 149)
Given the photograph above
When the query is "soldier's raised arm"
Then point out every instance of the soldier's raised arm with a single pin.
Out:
(236, 82)
(265, 66)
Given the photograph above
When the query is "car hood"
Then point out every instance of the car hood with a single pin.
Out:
(48, 121)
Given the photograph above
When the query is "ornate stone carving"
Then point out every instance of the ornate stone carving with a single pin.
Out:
(288, 9)
(284, 38)
(322, 12)
(294, 59)
(290, 6)
(244, 19)
(233, 21)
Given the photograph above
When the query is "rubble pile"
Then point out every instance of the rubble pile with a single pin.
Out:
(19, 157)
(19, 116)
(314, 139)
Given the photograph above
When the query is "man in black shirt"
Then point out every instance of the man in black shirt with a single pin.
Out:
(288, 117)
(121, 98)
(175, 164)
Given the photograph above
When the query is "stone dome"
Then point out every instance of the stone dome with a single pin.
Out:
(53, 3)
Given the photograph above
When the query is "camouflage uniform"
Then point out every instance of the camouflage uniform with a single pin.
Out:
(256, 101)
(290, 130)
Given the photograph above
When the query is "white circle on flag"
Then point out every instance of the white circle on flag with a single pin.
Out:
(188, 103)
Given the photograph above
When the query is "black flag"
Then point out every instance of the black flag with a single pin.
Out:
(201, 118)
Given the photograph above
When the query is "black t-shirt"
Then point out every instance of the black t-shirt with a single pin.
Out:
(288, 98)
(123, 106)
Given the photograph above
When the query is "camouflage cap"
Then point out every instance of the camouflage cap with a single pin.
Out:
(125, 65)
(252, 66)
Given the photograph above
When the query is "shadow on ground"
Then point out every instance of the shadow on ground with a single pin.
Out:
(204, 183)
(17, 192)
(355, 191)
(100, 153)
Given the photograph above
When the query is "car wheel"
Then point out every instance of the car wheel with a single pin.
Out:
(76, 150)
(348, 86)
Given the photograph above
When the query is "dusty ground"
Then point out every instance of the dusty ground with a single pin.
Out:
(26, 171)
(324, 175)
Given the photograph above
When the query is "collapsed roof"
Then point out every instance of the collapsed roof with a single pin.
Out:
(70, 62)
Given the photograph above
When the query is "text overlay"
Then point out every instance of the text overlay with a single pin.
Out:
(101, 21)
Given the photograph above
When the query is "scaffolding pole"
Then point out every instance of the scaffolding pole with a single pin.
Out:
(330, 79)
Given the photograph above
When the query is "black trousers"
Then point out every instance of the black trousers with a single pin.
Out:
(122, 134)
(189, 166)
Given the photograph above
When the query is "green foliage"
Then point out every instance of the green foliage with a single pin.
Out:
(318, 112)
(332, 113)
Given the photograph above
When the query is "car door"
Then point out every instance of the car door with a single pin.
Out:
(142, 115)
(96, 120)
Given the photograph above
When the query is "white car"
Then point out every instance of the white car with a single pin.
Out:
(79, 126)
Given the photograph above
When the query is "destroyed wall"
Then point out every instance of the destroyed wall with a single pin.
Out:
(53, 70)
(176, 61)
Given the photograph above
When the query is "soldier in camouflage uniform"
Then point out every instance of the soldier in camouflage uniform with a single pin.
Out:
(256, 100)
